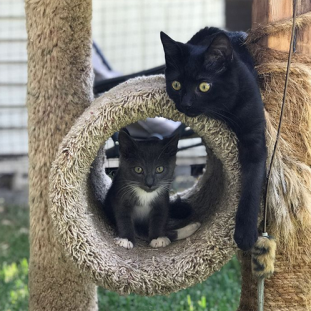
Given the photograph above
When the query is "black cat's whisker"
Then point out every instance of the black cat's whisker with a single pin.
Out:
(219, 112)
(225, 110)
(225, 118)
(218, 116)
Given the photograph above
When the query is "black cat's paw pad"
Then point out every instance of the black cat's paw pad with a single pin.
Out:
(263, 257)
(124, 243)
(160, 242)
(245, 238)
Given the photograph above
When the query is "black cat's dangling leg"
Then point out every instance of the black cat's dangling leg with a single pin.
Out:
(252, 154)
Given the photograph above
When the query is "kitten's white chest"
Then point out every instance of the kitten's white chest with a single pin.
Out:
(143, 207)
(141, 211)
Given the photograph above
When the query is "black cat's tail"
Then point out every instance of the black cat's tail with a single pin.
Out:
(180, 209)
(184, 232)
(181, 223)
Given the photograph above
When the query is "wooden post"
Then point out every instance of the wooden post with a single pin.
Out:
(304, 36)
(269, 11)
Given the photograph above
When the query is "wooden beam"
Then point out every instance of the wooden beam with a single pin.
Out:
(269, 11)
(304, 35)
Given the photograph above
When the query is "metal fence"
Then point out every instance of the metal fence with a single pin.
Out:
(128, 32)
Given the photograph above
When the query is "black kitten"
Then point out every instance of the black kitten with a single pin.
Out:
(138, 200)
(213, 74)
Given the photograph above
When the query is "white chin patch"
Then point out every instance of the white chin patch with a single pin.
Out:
(145, 198)
(160, 242)
(124, 243)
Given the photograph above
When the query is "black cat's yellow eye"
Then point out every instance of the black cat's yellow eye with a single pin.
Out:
(138, 170)
(159, 169)
(204, 87)
(176, 85)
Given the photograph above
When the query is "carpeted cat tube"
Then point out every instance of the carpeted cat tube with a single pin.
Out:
(89, 241)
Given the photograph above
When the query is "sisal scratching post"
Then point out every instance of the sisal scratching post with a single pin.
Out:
(59, 88)
(89, 240)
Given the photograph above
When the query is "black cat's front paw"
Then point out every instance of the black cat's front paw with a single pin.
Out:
(245, 236)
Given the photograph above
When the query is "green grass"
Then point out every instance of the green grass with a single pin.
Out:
(219, 293)
(14, 252)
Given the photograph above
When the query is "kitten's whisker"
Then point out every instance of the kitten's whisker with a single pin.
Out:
(130, 190)
(125, 190)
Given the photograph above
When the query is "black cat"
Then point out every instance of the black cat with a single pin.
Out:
(213, 74)
(138, 199)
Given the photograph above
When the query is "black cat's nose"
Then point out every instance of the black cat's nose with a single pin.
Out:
(149, 181)
(186, 105)
(186, 101)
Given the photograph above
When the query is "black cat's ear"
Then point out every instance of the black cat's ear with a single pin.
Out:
(171, 145)
(220, 51)
(126, 143)
(171, 48)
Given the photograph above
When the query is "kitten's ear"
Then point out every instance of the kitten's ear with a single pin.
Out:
(220, 51)
(171, 48)
(126, 143)
(171, 145)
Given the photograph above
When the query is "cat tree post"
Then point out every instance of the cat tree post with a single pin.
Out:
(59, 88)
(290, 287)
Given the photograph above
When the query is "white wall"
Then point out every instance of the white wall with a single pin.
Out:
(13, 78)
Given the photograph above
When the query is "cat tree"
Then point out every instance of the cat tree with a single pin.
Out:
(72, 250)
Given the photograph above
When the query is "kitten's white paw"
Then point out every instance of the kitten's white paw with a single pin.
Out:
(160, 242)
(124, 243)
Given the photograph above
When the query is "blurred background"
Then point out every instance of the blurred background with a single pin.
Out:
(126, 33)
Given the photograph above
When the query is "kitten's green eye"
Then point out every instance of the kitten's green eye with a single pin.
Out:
(176, 85)
(138, 170)
(160, 169)
(204, 87)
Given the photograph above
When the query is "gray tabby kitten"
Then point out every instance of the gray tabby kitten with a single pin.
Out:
(138, 199)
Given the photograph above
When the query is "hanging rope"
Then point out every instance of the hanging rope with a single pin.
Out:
(271, 246)
(281, 117)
